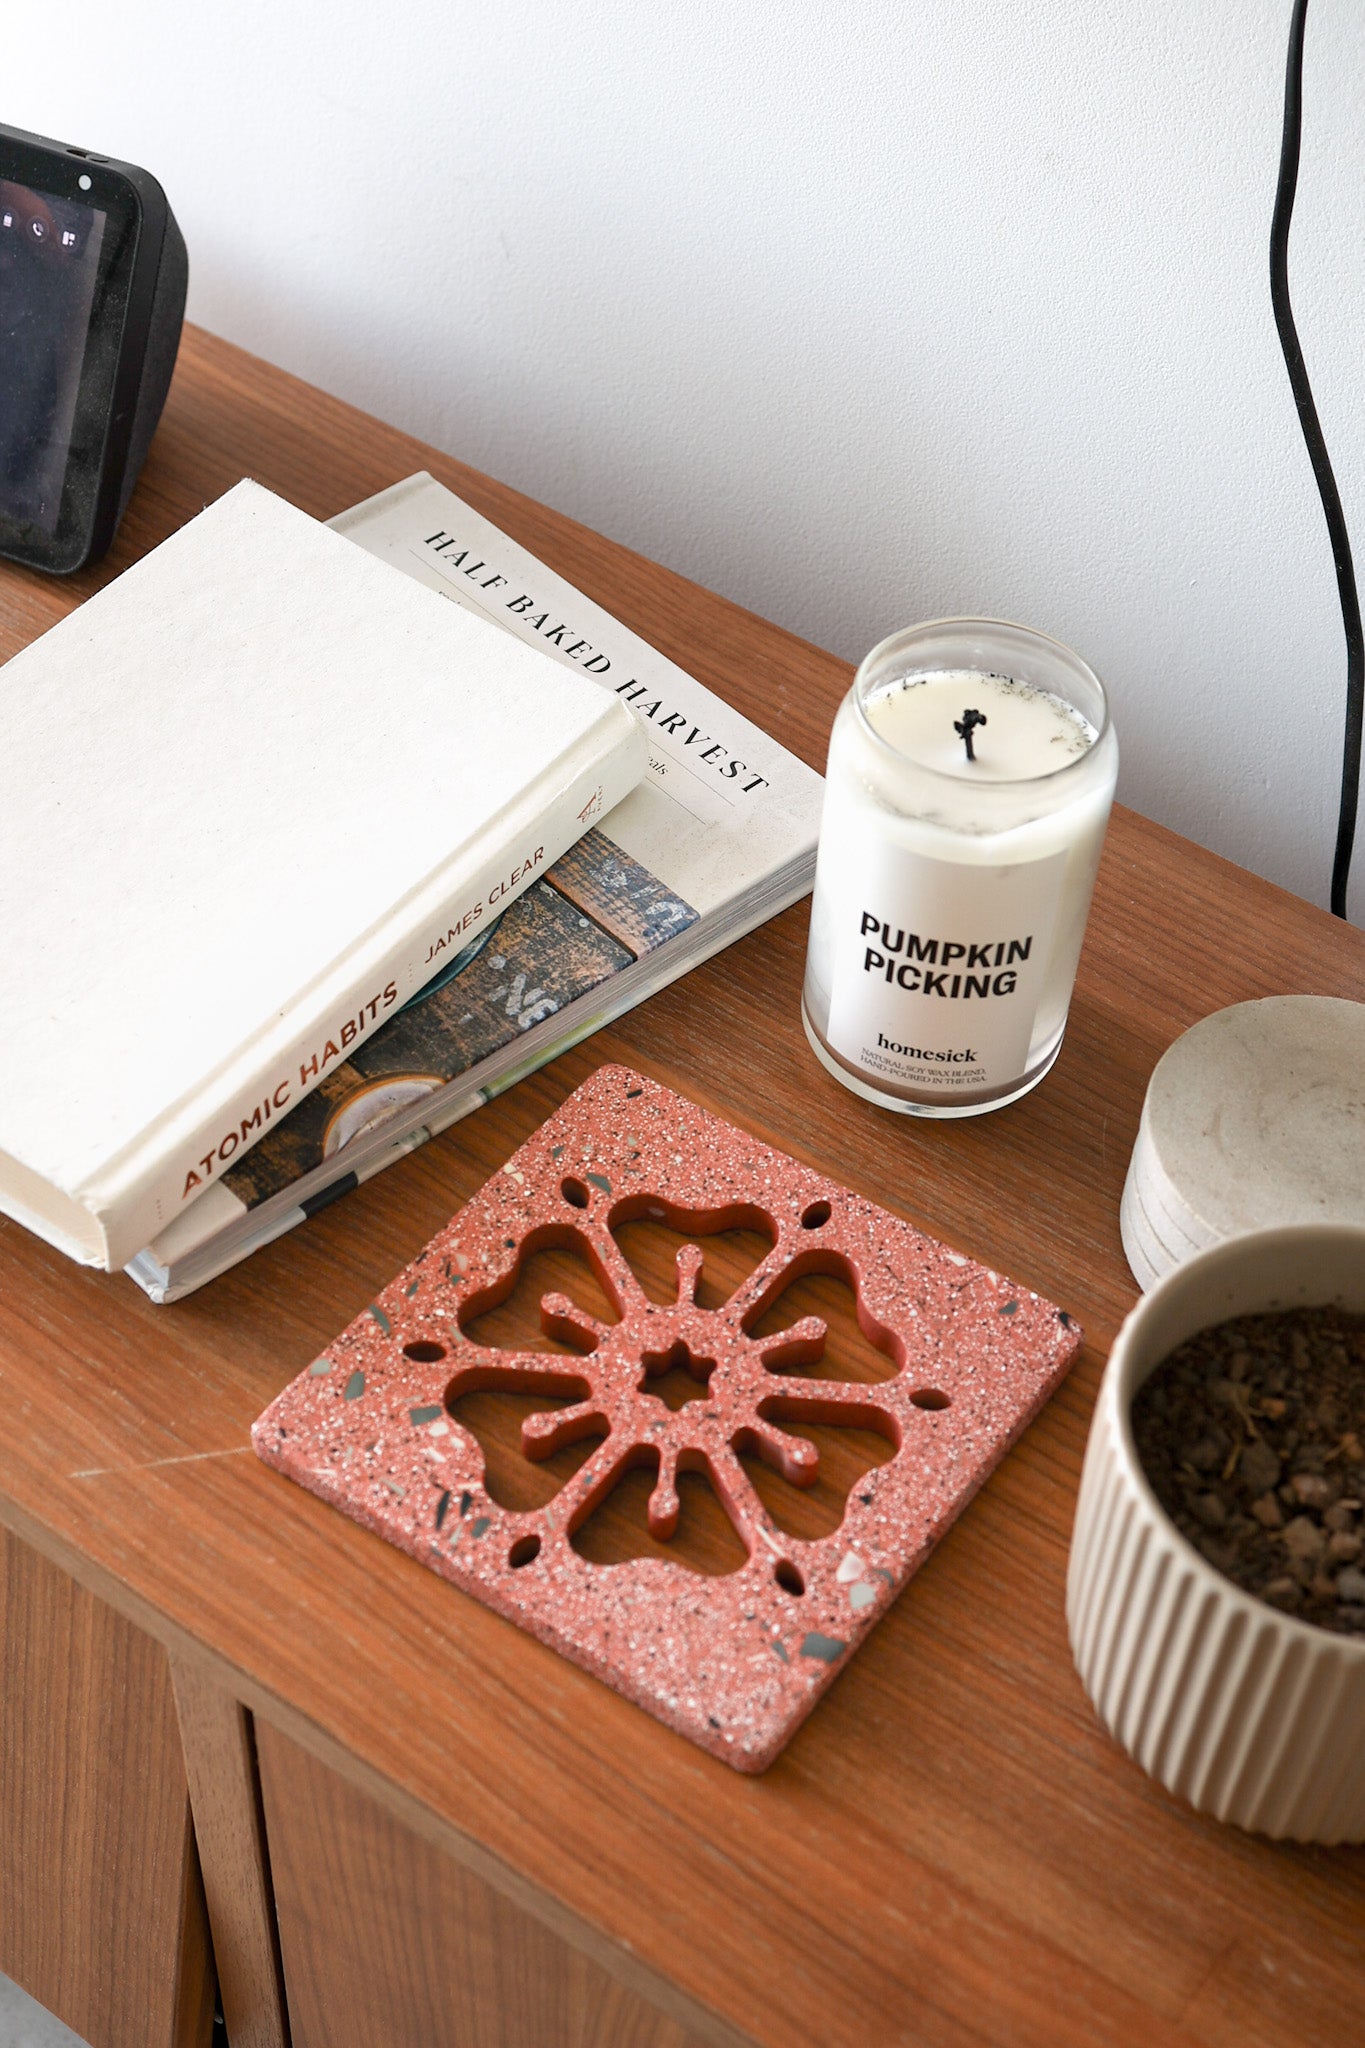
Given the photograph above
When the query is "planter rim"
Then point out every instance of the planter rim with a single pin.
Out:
(1119, 1390)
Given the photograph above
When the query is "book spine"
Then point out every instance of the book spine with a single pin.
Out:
(336, 1028)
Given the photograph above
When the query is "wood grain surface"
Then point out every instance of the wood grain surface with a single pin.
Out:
(388, 1943)
(101, 1912)
(951, 1850)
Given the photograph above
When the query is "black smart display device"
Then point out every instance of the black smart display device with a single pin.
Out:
(92, 299)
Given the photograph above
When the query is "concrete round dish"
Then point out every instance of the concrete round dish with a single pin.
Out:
(1251, 1715)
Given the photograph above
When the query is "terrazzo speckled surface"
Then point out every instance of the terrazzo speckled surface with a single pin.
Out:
(735, 1662)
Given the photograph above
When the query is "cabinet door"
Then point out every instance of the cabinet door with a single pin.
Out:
(387, 1942)
(101, 1909)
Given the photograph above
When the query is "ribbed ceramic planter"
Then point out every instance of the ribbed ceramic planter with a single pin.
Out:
(1251, 1715)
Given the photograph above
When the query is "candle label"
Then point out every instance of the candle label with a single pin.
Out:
(938, 967)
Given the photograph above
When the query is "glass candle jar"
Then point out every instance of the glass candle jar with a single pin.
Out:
(971, 771)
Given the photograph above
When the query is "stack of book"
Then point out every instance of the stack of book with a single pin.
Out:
(317, 840)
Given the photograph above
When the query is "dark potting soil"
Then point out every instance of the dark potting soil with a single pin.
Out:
(1252, 1435)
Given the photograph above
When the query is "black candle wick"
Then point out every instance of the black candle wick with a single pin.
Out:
(965, 726)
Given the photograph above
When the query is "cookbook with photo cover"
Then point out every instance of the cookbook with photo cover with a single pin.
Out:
(718, 836)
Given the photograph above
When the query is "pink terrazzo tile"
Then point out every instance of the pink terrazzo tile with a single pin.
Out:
(734, 1662)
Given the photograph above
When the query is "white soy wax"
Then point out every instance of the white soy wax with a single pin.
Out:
(1024, 732)
(971, 771)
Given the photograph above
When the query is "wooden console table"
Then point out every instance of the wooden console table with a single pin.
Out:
(416, 1827)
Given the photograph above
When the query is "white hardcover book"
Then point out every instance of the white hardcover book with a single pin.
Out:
(719, 835)
(251, 790)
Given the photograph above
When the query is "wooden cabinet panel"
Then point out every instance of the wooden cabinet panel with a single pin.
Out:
(101, 1909)
(389, 1943)
(220, 1761)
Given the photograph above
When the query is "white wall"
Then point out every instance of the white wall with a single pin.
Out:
(858, 313)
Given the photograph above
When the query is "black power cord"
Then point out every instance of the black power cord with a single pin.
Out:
(1317, 455)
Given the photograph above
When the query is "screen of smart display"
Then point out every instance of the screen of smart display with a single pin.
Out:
(49, 264)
